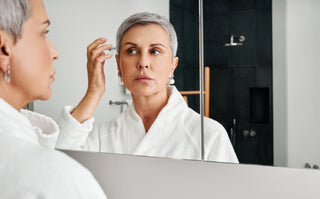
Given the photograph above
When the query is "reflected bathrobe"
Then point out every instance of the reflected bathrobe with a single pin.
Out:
(31, 168)
(174, 134)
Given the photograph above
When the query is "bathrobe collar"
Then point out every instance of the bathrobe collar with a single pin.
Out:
(29, 125)
(159, 131)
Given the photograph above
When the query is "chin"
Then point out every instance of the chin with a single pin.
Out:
(144, 92)
(46, 96)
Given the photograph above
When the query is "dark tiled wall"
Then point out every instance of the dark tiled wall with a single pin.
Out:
(238, 73)
(184, 17)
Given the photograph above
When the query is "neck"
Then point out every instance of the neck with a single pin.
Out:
(148, 107)
(12, 97)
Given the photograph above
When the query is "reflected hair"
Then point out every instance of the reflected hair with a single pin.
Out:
(146, 18)
(13, 14)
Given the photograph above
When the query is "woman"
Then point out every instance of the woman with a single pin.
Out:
(158, 123)
(30, 167)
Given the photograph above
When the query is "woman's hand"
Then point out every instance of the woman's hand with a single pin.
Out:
(96, 80)
(96, 58)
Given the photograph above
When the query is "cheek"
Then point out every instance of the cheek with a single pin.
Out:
(43, 51)
(126, 67)
(32, 63)
(34, 52)
(163, 67)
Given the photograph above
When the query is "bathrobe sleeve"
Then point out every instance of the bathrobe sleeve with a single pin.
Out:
(218, 145)
(77, 136)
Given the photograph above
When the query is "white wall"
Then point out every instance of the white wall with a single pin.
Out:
(71, 31)
(296, 81)
(280, 95)
(303, 43)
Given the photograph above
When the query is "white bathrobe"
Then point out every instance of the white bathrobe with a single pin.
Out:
(174, 134)
(29, 165)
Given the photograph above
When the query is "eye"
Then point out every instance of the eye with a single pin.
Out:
(131, 51)
(155, 51)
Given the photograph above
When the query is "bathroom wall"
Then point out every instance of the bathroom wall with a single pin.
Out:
(303, 66)
(240, 76)
(184, 17)
(296, 82)
(68, 23)
(280, 96)
(241, 83)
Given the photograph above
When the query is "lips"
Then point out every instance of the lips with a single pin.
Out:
(144, 79)
(52, 76)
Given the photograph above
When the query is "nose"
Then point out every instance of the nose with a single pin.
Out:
(143, 66)
(143, 62)
(53, 51)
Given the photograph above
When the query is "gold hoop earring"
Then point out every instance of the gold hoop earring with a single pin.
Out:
(7, 75)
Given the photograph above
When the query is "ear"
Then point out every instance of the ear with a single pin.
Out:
(118, 64)
(175, 61)
(5, 51)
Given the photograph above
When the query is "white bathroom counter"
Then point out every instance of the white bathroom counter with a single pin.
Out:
(124, 177)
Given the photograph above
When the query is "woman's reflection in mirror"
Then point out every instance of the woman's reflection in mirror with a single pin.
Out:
(158, 122)
(29, 165)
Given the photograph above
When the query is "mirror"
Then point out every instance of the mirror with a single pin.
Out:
(282, 112)
(263, 61)
(75, 24)
(238, 50)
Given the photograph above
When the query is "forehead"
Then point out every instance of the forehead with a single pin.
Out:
(37, 10)
(146, 33)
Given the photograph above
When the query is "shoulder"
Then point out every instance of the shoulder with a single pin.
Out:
(47, 161)
(52, 172)
(190, 119)
(214, 131)
(213, 125)
(62, 165)
(217, 142)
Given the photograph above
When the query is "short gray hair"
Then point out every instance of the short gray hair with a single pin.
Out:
(13, 14)
(146, 18)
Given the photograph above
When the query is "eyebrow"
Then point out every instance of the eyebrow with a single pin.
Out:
(155, 44)
(130, 43)
(158, 44)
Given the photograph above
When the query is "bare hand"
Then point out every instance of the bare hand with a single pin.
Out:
(95, 66)
(96, 80)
